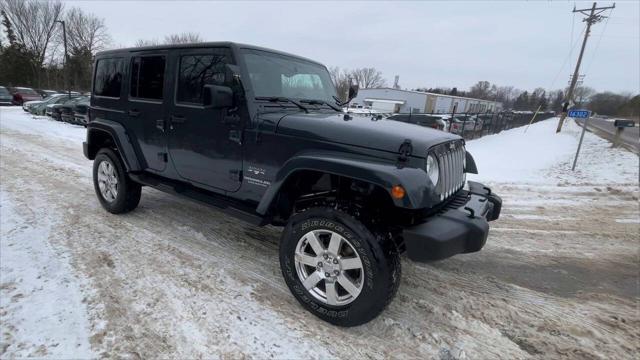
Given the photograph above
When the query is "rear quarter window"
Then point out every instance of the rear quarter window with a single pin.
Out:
(108, 77)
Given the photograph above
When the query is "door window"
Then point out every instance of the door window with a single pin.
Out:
(108, 78)
(196, 71)
(147, 77)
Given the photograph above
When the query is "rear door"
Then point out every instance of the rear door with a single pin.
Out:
(204, 143)
(146, 108)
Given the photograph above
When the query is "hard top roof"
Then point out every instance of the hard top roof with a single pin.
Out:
(199, 45)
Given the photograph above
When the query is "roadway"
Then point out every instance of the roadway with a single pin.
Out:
(603, 127)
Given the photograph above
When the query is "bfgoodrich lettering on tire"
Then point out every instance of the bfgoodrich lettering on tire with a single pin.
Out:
(338, 269)
(116, 192)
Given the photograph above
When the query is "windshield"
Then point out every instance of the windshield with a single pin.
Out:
(274, 75)
(51, 99)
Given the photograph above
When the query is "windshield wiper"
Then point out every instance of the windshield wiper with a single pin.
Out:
(320, 102)
(283, 99)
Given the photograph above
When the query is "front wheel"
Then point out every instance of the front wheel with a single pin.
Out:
(116, 192)
(336, 268)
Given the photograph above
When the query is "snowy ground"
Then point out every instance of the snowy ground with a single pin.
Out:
(174, 279)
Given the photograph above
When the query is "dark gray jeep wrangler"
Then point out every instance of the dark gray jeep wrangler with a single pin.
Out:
(261, 135)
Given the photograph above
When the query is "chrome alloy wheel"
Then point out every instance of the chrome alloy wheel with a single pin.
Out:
(329, 267)
(107, 180)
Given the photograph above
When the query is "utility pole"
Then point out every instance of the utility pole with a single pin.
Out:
(66, 57)
(592, 18)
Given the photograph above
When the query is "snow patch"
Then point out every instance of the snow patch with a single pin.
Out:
(41, 301)
(540, 156)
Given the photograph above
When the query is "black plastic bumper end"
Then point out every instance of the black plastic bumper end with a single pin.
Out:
(454, 231)
(446, 235)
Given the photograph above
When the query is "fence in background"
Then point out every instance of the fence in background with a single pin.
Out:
(475, 125)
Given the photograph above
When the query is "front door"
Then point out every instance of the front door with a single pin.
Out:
(147, 107)
(204, 143)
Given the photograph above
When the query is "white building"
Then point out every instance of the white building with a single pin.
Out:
(390, 100)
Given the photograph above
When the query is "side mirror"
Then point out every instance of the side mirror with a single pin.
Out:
(217, 97)
(353, 92)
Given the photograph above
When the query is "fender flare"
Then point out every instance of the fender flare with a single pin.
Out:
(419, 191)
(471, 167)
(120, 138)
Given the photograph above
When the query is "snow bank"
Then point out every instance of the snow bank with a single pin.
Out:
(15, 119)
(540, 156)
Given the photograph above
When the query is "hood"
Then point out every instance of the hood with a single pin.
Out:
(33, 102)
(385, 134)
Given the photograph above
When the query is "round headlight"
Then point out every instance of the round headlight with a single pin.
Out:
(432, 169)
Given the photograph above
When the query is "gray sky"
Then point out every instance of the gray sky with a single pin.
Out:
(429, 44)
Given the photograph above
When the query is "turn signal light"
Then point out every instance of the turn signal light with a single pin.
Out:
(397, 192)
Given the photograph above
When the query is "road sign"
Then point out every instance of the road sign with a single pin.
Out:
(579, 114)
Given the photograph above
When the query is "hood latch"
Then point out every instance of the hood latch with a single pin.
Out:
(405, 150)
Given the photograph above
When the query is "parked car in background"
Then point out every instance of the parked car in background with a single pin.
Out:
(81, 112)
(444, 118)
(22, 94)
(53, 110)
(426, 120)
(5, 96)
(40, 107)
(70, 92)
(460, 123)
(28, 105)
(66, 110)
(46, 93)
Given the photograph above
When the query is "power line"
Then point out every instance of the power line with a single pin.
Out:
(593, 56)
(573, 46)
(592, 17)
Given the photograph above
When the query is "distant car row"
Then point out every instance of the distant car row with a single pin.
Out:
(73, 109)
(444, 122)
(20, 95)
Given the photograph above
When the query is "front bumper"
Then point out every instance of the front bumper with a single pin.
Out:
(460, 227)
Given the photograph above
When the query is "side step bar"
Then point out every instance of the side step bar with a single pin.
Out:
(219, 202)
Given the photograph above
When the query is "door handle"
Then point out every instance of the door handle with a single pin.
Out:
(134, 113)
(177, 119)
(160, 125)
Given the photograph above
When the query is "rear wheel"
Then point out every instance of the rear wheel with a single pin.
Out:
(338, 269)
(116, 192)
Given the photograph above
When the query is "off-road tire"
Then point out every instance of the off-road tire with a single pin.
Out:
(379, 256)
(129, 192)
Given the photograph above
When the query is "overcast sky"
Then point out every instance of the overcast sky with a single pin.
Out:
(427, 44)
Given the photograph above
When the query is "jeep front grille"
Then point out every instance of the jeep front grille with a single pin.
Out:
(451, 165)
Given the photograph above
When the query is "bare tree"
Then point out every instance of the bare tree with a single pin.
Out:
(142, 42)
(183, 38)
(368, 78)
(340, 78)
(85, 32)
(582, 94)
(33, 23)
(481, 90)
